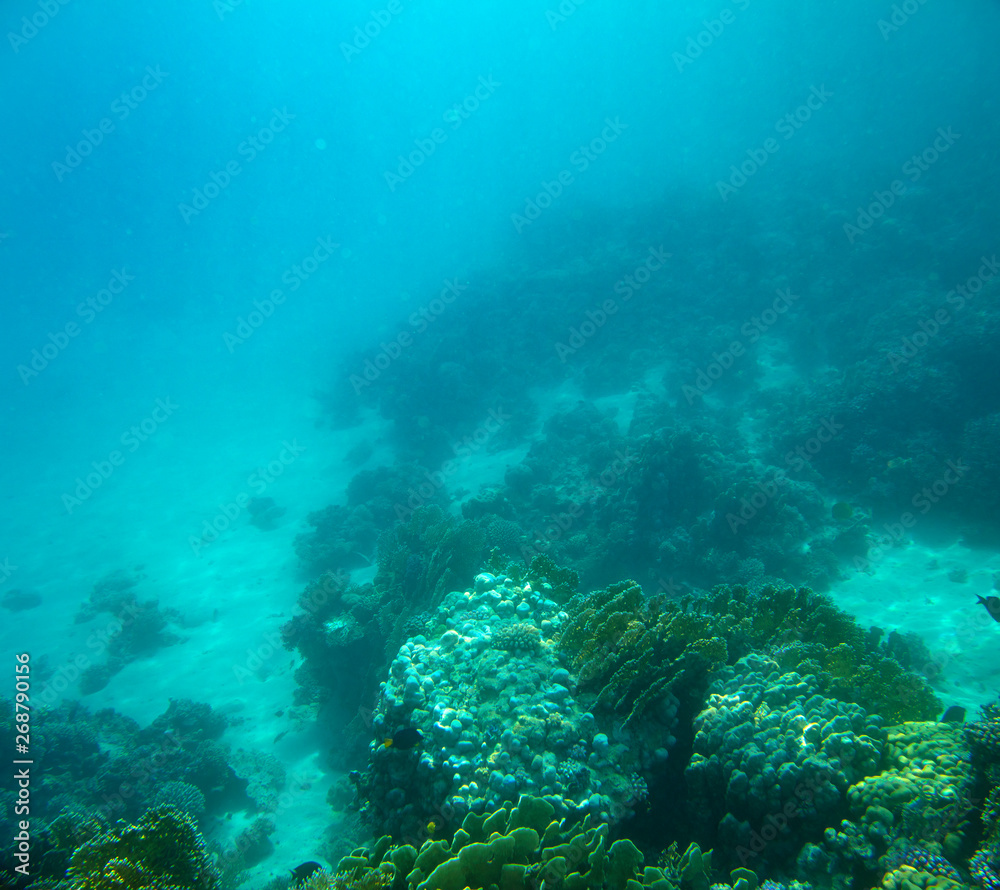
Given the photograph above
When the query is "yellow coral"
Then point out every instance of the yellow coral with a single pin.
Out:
(906, 877)
(162, 851)
(924, 787)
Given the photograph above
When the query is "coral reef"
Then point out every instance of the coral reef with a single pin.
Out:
(344, 536)
(772, 761)
(923, 792)
(579, 701)
(491, 654)
(102, 767)
(522, 846)
(348, 633)
(632, 651)
(909, 822)
(265, 513)
(17, 600)
(162, 851)
(182, 796)
(634, 647)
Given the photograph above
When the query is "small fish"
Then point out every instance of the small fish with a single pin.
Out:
(842, 512)
(897, 462)
(405, 738)
(954, 714)
(305, 871)
(431, 827)
(992, 604)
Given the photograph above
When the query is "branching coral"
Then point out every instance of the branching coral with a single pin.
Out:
(632, 651)
(162, 851)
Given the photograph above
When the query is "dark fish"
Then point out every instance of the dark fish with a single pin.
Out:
(954, 714)
(992, 604)
(305, 871)
(405, 738)
(842, 512)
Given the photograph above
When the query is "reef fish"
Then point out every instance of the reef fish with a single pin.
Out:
(992, 604)
(305, 871)
(405, 738)
(842, 511)
(954, 714)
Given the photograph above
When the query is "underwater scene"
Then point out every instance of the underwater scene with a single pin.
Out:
(541, 445)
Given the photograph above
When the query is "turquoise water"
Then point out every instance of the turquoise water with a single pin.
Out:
(313, 315)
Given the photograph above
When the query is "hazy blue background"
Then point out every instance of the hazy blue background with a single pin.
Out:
(228, 69)
(229, 66)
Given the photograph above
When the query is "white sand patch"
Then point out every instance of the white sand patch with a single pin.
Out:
(909, 591)
(234, 593)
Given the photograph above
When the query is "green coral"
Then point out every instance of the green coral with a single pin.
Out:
(906, 877)
(631, 650)
(447, 552)
(923, 793)
(516, 848)
(368, 879)
(73, 827)
(162, 851)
